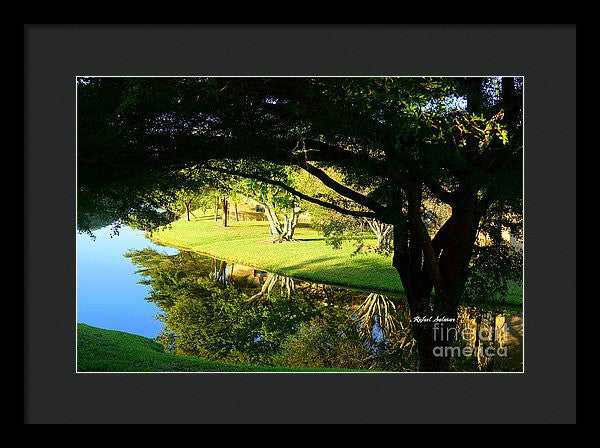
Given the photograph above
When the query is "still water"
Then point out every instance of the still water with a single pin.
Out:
(108, 293)
(200, 306)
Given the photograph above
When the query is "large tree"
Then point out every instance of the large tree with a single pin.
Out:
(403, 140)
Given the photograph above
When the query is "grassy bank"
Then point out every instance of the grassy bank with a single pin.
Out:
(308, 258)
(101, 350)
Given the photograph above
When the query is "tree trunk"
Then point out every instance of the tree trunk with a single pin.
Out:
(383, 232)
(225, 212)
(282, 231)
(274, 224)
(237, 218)
(216, 208)
(292, 221)
(437, 342)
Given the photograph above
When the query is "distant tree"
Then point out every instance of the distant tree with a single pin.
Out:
(186, 202)
(276, 203)
(281, 208)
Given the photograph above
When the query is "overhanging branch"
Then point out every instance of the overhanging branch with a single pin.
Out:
(293, 191)
(339, 188)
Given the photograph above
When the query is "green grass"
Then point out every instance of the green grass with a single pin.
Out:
(308, 258)
(101, 350)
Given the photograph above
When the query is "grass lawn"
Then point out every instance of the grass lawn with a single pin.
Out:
(308, 258)
(101, 350)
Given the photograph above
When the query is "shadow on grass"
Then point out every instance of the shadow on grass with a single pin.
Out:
(314, 261)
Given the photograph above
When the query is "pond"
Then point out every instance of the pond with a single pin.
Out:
(197, 305)
(108, 293)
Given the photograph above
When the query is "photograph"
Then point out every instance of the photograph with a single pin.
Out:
(300, 224)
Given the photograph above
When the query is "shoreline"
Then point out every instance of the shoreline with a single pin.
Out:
(505, 304)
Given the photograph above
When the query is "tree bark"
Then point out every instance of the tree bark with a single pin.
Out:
(281, 231)
(225, 212)
(383, 232)
(274, 224)
(434, 290)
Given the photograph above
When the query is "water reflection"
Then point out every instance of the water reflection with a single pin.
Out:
(490, 333)
(229, 312)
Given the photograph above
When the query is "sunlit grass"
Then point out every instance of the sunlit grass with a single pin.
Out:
(308, 258)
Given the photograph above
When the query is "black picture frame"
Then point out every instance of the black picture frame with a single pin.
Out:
(544, 54)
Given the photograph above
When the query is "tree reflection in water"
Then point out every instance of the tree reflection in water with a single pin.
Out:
(224, 312)
(287, 284)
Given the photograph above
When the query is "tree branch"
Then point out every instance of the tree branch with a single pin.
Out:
(339, 188)
(442, 194)
(293, 191)
(419, 230)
